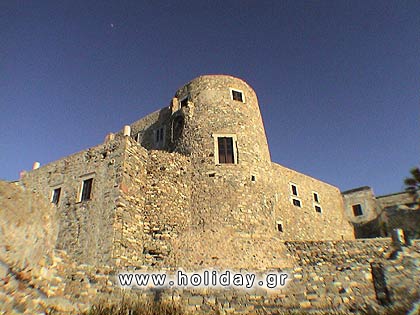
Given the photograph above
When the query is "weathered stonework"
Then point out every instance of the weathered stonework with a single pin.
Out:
(162, 198)
(382, 214)
(191, 185)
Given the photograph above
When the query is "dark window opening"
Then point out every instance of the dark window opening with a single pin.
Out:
(279, 227)
(357, 210)
(184, 102)
(316, 197)
(296, 202)
(318, 209)
(56, 196)
(225, 145)
(253, 178)
(212, 174)
(237, 96)
(159, 135)
(86, 189)
(294, 190)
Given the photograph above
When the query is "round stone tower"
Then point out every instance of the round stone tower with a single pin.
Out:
(217, 120)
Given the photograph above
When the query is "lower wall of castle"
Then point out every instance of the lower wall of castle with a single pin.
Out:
(326, 276)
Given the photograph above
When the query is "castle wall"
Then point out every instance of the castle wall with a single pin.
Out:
(86, 228)
(382, 214)
(365, 198)
(144, 130)
(130, 205)
(400, 212)
(163, 197)
(305, 222)
(401, 198)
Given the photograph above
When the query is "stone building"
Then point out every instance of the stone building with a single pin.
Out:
(377, 216)
(189, 185)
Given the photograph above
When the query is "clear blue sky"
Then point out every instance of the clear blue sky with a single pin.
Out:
(338, 81)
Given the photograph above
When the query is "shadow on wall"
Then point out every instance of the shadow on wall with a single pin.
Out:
(164, 133)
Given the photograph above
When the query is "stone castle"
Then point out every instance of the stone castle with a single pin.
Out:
(193, 185)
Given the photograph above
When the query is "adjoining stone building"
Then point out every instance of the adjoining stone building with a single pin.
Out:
(377, 216)
(189, 185)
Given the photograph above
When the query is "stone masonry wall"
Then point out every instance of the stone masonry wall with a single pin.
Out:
(325, 276)
(304, 222)
(365, 197)
(401, 198)
(167, 209)
(328, 276)
(86, 228)
(128, 226)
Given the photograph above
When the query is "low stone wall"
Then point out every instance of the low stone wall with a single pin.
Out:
(338, 280)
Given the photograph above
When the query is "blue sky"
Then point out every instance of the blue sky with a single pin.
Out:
(338, 81)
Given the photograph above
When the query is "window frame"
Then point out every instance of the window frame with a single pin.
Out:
(84, 179)
(316, 202)
(297, 201)
(234, 145)
(291, 185)
(232, 90)
(315, 199)
(54, 189)
(159, 138)
(359, 210)
(182, 100)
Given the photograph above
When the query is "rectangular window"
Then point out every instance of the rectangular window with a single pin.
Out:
(296, 202)
(294, 190)
(357, 210)
(316, 199)
(56, 196)
(159, 136)
(318, 209)
(279, 227)
(237, 95)
(86, 189)
(225, 146)
(184, 102)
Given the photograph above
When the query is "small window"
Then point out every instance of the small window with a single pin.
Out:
(318, 209)
(316, 199)
(279, 227)
(294, 190)
(296, 202)
(225, 146)
(56, 196)
(237, 95)
(184, 102)
(159, 136)
(357, 210)
(86, 189)
(253, 178)
(225, 149)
